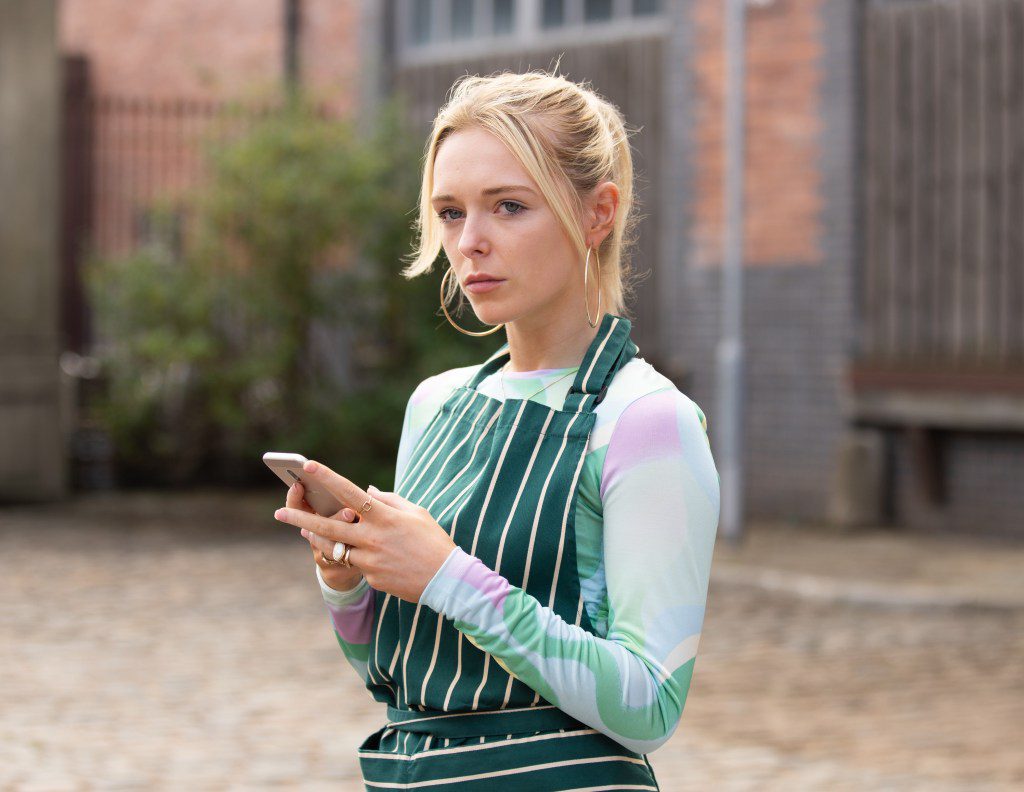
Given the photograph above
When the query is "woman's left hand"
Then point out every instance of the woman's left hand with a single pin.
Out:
(396, 544)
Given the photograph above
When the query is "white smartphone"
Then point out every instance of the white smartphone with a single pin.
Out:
(288, 468)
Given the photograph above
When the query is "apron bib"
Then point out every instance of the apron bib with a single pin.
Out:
(502, 478)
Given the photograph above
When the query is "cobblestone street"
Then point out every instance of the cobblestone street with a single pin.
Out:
(179, 642)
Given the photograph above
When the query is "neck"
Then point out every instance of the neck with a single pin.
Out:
(548, 346)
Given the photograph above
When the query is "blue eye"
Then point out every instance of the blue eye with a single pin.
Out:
(445, 218)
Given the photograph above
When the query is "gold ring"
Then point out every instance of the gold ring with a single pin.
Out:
(367, 506)
(344, 558)
(325, 560)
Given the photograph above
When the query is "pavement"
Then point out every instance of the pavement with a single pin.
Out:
(162, 640)
(879, 566)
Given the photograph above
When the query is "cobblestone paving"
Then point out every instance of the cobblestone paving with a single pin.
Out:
(180, 643)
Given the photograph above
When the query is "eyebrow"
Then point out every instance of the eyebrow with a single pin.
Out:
(489, 191)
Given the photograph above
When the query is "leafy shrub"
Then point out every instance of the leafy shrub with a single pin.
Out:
(301, 225)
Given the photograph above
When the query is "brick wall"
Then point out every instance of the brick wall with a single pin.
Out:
(798, 237)
(201, 49)
(160, 69)
(983, 472)
(783, 180)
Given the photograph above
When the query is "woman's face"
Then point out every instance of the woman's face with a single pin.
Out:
(509, 233)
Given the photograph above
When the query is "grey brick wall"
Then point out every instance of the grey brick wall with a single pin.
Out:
(983, 486)
(797, 318)
(793, 361)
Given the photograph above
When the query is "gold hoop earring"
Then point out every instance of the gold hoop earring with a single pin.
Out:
(586, 296)
(467, 332)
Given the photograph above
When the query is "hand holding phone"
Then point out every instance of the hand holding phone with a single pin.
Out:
(288, 467)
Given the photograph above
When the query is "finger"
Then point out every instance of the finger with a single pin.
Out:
(295, 499)
(355, 555)
(320, 558)
(319, 543)
(347, 492)
(324, 547)
(394, 499)
(338, 530)
(346, 514)
(323, 561)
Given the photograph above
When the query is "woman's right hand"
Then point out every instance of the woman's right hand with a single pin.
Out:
(338, 576)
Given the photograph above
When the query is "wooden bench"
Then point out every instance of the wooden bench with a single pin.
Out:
(928, 403)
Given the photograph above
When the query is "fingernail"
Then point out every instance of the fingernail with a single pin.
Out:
(372, 488)
(310, 466)
(279, 514)
(305, 533)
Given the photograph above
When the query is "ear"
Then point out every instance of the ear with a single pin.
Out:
(603, 205)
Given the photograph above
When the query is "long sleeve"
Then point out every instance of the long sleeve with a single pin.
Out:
(352, 618)
(352, 611)
(660, 501)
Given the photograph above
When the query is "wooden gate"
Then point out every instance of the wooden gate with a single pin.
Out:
(943, 259)
(941, 284)
(940, 287)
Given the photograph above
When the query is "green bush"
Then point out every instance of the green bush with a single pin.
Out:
(303, 220)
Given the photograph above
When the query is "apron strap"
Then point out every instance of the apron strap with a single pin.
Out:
(611, 349)
(475, 723)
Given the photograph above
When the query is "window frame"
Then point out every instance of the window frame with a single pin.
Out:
(526, 32)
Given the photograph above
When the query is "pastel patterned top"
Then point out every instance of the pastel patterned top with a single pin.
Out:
(646, 520)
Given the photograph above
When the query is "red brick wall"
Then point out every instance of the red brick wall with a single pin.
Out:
(159, 65)
(331, 51)
(783, 192)
(211, 48)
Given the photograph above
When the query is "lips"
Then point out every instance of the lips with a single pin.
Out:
(483, 286)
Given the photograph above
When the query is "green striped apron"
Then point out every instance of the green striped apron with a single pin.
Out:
(502, 478)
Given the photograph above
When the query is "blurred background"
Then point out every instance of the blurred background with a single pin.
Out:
(203, 210)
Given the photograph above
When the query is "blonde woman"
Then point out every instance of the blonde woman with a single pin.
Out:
(529, 600)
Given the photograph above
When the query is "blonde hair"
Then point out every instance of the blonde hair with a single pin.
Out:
(567, 138)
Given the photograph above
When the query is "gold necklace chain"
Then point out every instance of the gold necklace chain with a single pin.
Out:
(535, 392)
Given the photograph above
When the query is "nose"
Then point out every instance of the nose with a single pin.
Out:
(473, 240)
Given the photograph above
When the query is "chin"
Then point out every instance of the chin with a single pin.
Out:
(489, 312)
(492, 317)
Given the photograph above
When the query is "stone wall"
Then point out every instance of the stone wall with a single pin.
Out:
(32, 425)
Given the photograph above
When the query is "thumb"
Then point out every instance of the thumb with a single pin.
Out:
(392, 499)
